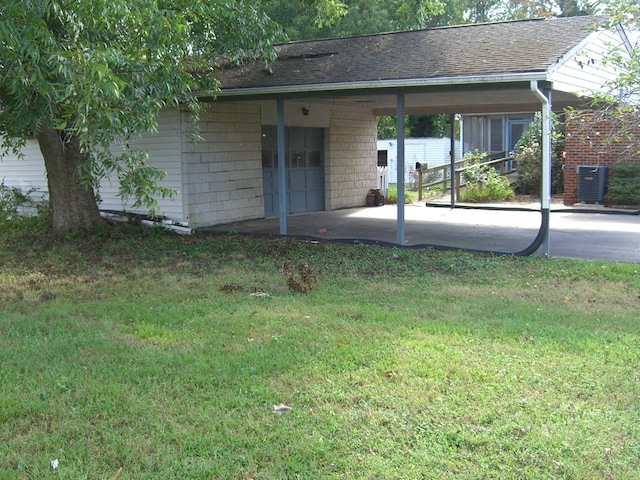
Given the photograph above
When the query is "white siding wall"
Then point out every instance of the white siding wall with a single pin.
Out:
(351, 157)
(164, 148)
(432, 151)
(583, 72)
(27, 173)
(224, 173)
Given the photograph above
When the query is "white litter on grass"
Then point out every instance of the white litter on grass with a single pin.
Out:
(281, 409)
(260, 294)
(54, 464)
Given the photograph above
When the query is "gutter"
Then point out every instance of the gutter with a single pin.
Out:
(542, 238)
(383, 84)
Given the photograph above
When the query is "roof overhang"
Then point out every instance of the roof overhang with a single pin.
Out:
(461, 69)
(468, 94)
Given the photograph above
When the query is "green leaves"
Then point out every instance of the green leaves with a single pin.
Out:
(482, 182)
(329, 11)
(139, 181)
(101, 70)
(528, 157)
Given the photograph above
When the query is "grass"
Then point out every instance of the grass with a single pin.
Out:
(392, 195)
(139, 354)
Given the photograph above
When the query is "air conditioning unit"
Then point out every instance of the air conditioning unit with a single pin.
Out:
(592, 183)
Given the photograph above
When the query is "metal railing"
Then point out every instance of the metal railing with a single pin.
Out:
(442, 174)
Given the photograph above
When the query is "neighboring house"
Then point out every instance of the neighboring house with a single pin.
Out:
(321, 99)
(429, 151)
(494, 134)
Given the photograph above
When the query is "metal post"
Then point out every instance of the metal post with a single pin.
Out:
(400, 169)
(453, 161)
(544, 95)
(546, 163)
(282, 173)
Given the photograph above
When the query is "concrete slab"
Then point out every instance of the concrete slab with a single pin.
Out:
(574, 232)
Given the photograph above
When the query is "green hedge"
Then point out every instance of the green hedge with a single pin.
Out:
(623, 186)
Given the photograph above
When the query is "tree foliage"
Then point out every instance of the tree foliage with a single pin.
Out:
(343, 18)
(528, 157)
(356, 17)
(614, 114)
(89, 74)
(103, 68)
(417, 126)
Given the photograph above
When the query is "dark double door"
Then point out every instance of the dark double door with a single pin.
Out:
(304, 170)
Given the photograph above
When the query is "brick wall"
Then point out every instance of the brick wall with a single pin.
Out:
(588, 141)
(223, 174)
(351, 156)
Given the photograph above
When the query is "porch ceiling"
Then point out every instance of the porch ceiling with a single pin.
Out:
(464, 98)
(499, 97)
(496, 98)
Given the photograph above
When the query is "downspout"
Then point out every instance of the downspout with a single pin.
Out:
(542, 240)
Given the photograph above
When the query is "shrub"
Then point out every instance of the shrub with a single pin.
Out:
(18, 211)
(392, 195)
(528, 158)
(623, 186)
(434, 191)
(482, 182)
(11, 201)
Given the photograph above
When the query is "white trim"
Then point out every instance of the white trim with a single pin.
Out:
(382, 84)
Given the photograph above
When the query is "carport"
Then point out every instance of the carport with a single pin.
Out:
(520, 66)
(575, 232)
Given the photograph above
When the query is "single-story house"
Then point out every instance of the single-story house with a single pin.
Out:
(299, 134)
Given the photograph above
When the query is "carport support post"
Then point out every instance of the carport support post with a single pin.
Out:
(400, 169)
(282, 174)
(453, 162)
(546, 165)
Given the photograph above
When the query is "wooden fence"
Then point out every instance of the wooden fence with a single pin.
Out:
(441, 175)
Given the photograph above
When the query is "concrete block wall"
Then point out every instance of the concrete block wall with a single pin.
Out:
(223, 173)
(351, 158)
(588, 142)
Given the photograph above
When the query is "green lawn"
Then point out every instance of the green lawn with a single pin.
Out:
(149, 356)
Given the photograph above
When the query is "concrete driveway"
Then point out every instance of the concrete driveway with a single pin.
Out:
(574, 232)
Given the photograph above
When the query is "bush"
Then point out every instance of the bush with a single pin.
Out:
(18, 211)
(623, 186)
(11, 201)
(434, 191)
(528, 158)
(482, 182)
(392, 196)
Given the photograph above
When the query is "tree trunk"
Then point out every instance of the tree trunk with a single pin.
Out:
(72, 205)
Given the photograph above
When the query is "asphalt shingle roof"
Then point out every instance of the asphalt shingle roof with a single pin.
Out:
(469, 50)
